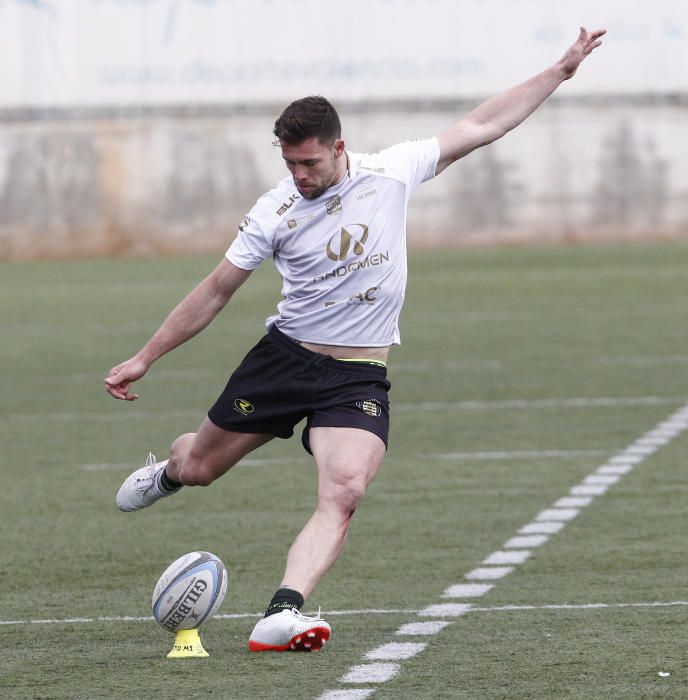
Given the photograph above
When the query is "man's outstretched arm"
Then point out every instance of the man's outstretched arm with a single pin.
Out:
(190, 316)
(501, 113)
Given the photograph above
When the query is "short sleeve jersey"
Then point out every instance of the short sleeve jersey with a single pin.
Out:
(342, 256)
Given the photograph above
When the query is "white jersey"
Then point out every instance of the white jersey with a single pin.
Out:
(342, 256)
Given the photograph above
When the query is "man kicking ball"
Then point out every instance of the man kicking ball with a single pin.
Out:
(336, 231)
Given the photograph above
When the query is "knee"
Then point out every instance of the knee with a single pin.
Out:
(180, 449)
(346, 496)
(189, 469)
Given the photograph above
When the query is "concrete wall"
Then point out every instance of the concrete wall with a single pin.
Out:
(579, 169)
(137, 126)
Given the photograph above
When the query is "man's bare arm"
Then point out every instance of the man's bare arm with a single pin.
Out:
(188, 318)
(500, 114)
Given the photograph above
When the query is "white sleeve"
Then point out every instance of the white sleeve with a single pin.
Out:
(253, 243)
(416, 161)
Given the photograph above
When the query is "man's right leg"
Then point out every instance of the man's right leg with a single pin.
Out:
(196, 459)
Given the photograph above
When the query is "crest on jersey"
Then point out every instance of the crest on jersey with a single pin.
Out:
(334, 206)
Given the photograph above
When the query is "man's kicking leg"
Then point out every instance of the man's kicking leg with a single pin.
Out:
(347, 460)
(196, 459)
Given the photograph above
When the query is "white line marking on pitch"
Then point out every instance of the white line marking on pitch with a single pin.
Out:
(526, 541)
(371, 673)
(615, 469)
(573, 502)
(467, 590)
(513, 557)
(422, 628)
(588, 490)
(601, 479)
(395, 651)
(104, 466)
(558, 514)
(632, 460)
(602, 401)
(490, 574)
(430, 627)
(125, 413)
(246, 462)
(643, 360)
(581, 606)
(563, 510)
(270, 461)
(516, 454)
(547, 528)
(445, 610)
(222, 616)
(348, 694)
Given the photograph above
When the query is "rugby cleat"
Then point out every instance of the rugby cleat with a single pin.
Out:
(142, 488)
(289, 630)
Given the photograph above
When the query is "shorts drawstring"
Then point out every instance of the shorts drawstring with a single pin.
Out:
(314, 362)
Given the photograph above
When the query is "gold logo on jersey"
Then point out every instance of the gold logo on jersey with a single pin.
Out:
(243, 406)
(334, 206)
(339, 245)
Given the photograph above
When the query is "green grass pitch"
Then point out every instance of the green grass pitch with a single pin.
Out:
(481, 330)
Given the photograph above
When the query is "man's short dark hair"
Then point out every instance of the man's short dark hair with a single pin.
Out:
(307, 118)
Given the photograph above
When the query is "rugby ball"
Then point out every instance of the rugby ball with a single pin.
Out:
(189, 591)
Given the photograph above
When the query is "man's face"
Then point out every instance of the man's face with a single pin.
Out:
(314, 166)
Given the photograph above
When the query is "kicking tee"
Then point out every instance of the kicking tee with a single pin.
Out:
(342, 256)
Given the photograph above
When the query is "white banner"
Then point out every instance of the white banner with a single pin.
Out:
(160, 52)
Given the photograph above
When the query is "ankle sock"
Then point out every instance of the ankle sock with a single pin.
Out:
(167, 484)
(284, 599)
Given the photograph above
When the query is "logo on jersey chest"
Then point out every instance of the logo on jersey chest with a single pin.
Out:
(339, 245)
(352, 238)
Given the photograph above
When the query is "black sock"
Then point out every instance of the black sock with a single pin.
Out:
(167, 484)
(284, 599)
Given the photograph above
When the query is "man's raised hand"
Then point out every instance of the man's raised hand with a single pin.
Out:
(587, 41)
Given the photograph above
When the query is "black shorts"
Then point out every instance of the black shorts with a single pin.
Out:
(279, 383)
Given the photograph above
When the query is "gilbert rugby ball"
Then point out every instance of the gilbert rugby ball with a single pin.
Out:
(189, 591)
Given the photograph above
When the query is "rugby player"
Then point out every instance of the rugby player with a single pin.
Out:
(335, 228)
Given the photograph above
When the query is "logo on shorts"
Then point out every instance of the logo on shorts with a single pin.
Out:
(371, 407)
(243, 406)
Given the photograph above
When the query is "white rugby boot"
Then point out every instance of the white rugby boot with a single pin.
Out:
(142, 488)
(289, 630)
